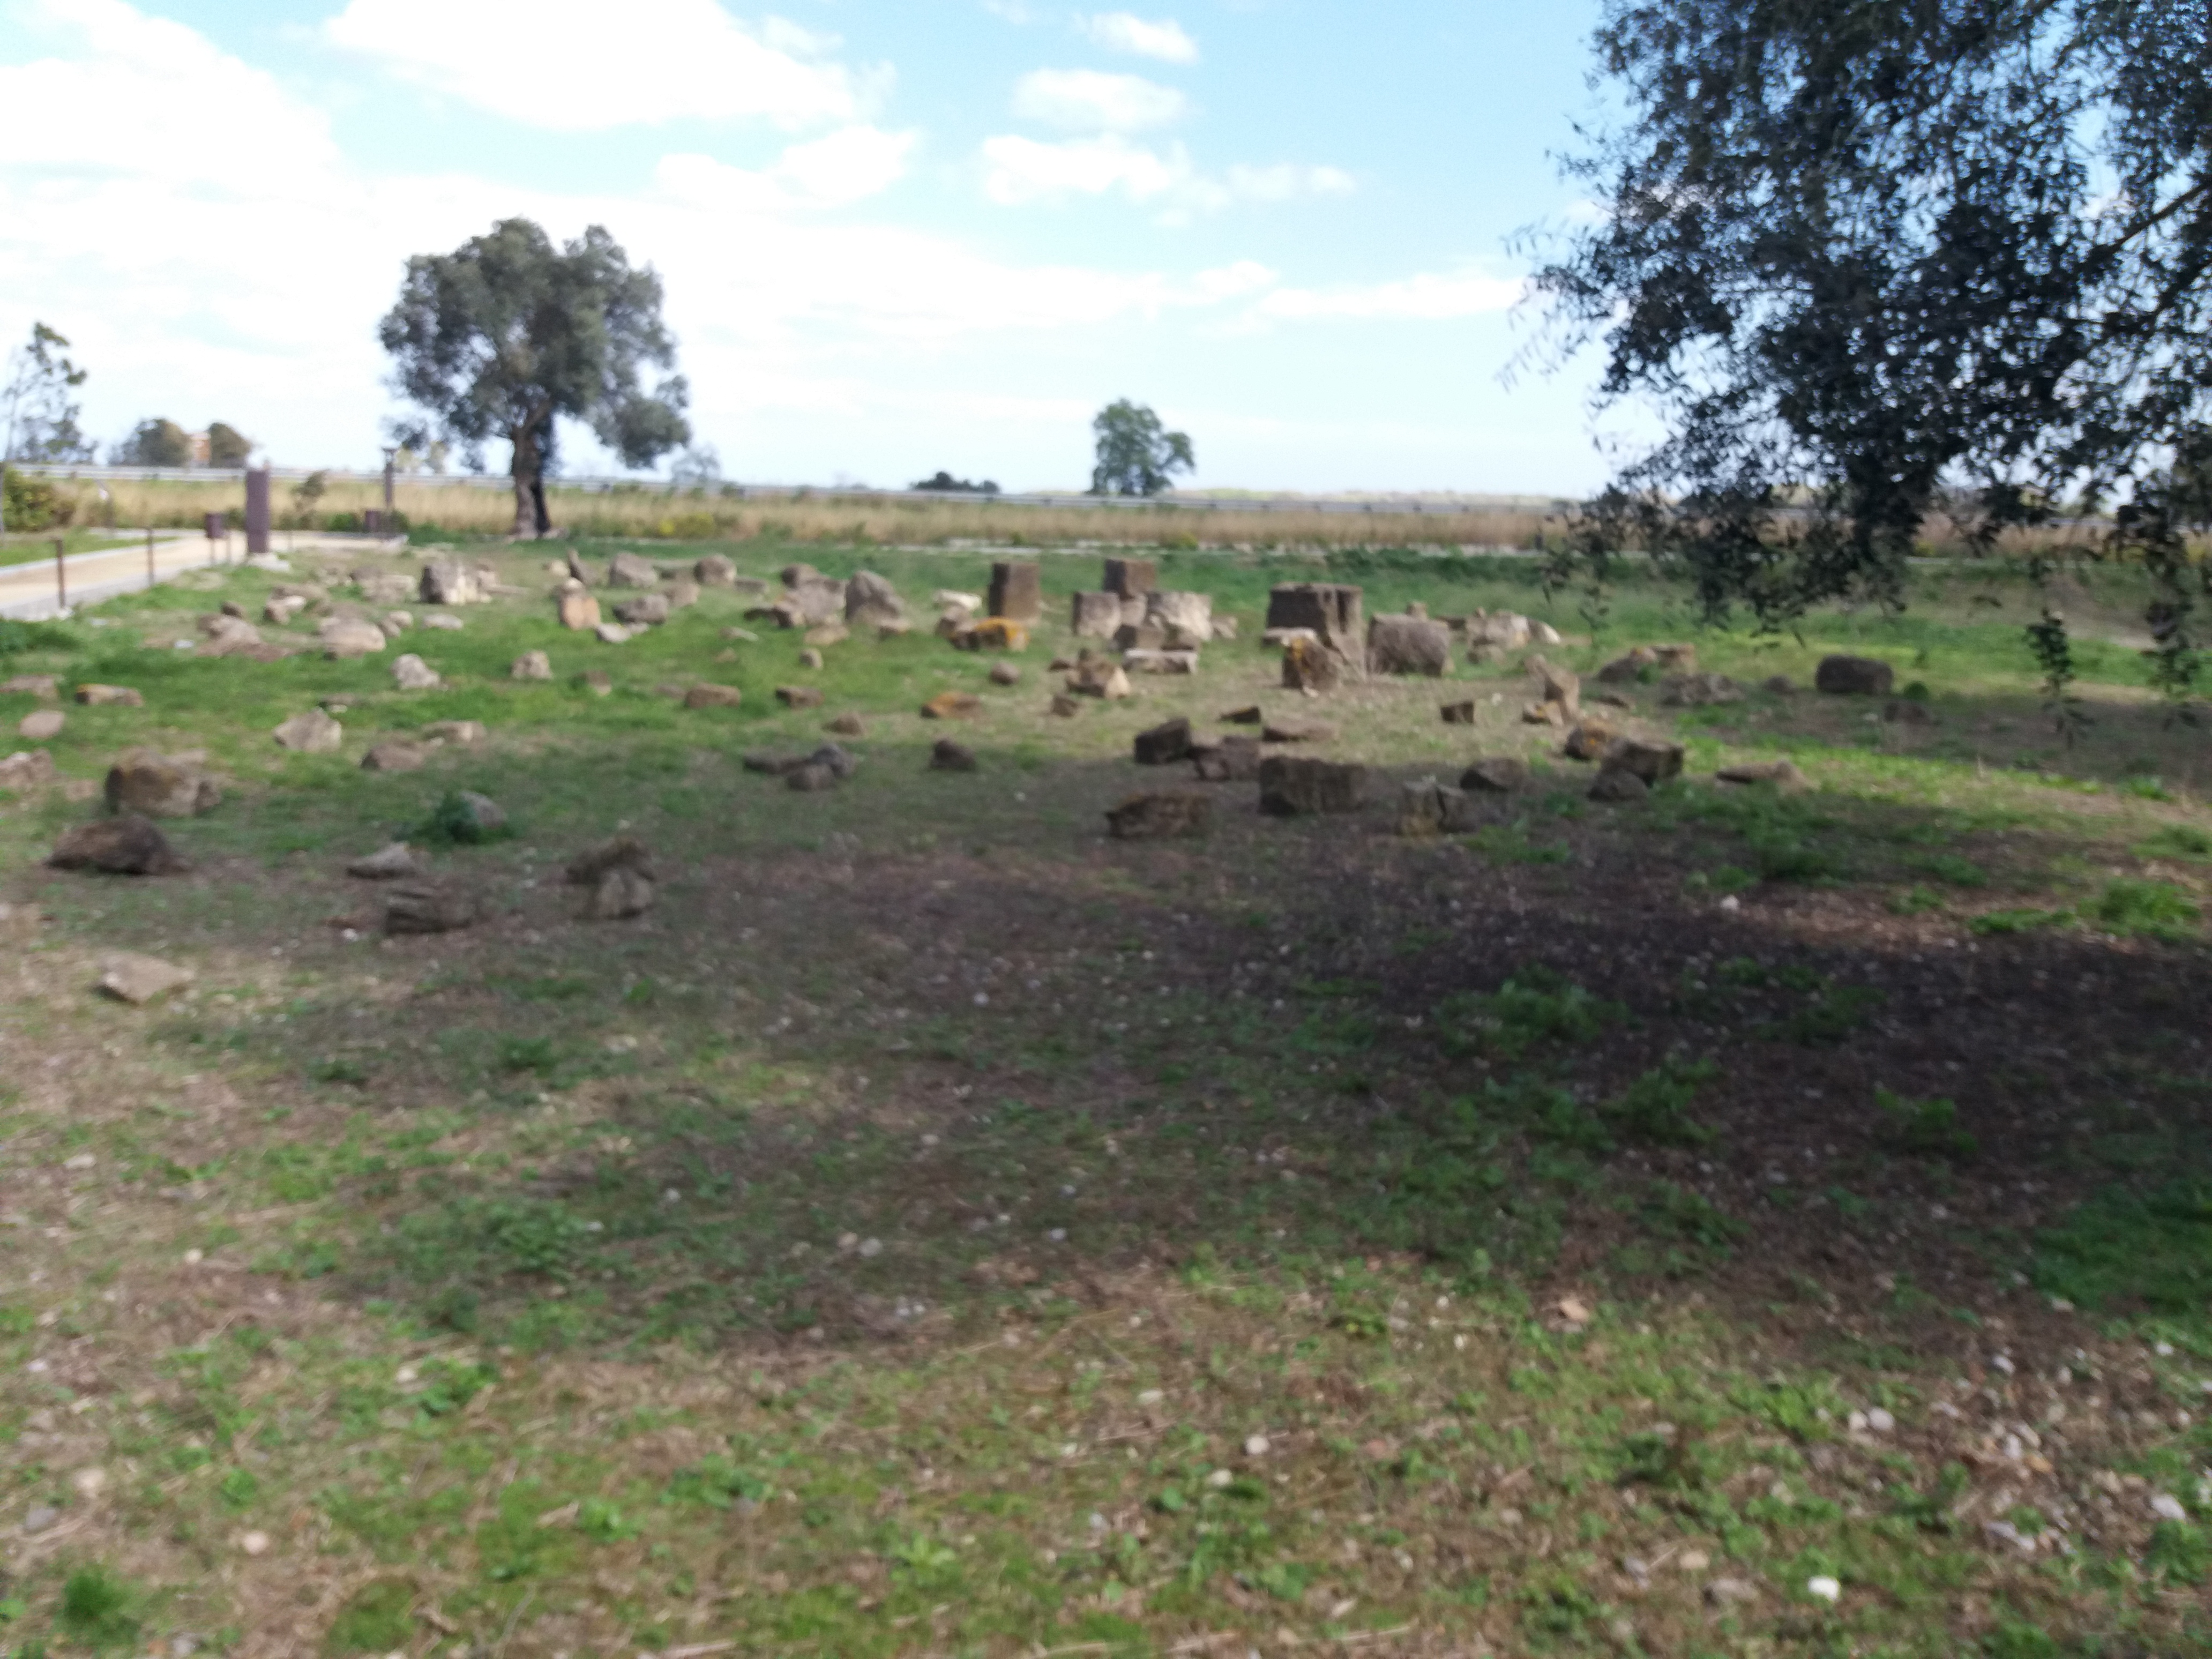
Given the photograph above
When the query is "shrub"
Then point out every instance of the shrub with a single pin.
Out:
(2158, 908)
(1930, 1126)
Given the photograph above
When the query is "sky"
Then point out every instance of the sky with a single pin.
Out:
(894, 235)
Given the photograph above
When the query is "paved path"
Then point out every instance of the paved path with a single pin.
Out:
(30, 591)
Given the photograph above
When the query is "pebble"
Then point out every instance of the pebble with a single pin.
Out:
(1255, 1445)
(40, 1516)
(193, 1258)
(1694, 1560)
(1151, 1397)
(1825, 1589)
(872, 1247)
(2168, 1508)
(1880, 1421)
(1731, 904)
(81, 1161)
(89, 1483)
(254, 1543)
(1218, 1479)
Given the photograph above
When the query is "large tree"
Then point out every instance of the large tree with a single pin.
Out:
(1136, 456)
(1871, 259)
(41, 422)
(156, 441)
(508, 334)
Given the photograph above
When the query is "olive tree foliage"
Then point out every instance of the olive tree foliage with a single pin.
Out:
(155, 441)
(508, 335)
(1872, 259)
(1136, 456)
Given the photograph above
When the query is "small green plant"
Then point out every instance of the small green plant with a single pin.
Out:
(1690, 1217)
(457, 821)
(337, 1069)
(1928, 1128)
(718, 1483)
(448, 1385)
(1657, 1106)
(2047, 643)
(526, 1054)
(2151, 788)
(378, 1619)
(2017, 921)
(1956, 870)
(1915, 900)
(924, 1557)
(2158, 909)
(1509, 843)
(1537, 1004)
(602, 1522)
(97, 1608)
(2176, 841)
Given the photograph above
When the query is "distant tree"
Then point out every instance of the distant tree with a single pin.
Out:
(509, 334)
(307, 492)
(227, 446)
(950, 485)
(154, 442)
(696, 467)
(42, 418)
(1136, 455)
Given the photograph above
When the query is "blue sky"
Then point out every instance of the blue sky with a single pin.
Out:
(894, 237)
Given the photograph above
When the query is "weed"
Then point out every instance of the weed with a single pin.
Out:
(448, 1385)
(454, 823)
(2017, 921)
(97, 1608)
(1953, 869)
(2122, 1248)
(377, 1620)
(2176, 841)
(1914, 902)
(526, 1054)
(338, 1069)
(1928, 1127)
(1509, 844)
(2158, 909)
(1655, 1107)
(1690, 1216)
(1537, 1004)
(602, 1522)
(1832, 1014)
(718, 1483)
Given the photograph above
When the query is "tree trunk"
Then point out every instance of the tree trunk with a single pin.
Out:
(529, 472)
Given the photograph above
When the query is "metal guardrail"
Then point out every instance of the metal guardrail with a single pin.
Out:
(598, 486)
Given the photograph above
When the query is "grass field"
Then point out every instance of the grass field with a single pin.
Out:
(1736, 1224)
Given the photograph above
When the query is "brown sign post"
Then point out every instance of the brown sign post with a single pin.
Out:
(256, 511)
(61, 575)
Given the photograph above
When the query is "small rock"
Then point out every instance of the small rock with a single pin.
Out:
(1653, 762)
(952, 705)
(621, 893)
(1821, 1588)
(622, 852)
(632, 570)
(395, 754)
(745, 634)
(2167, 1507)
(1459, 714)
(1499, 774)
(90, 1482)
(253, 1543)
(595, 681)
(1589, 739)
(26, 768)
(487, 816)
(1165, 744)
(1247, 716)
(1618, 786)
(847, 725)
(1290, 785)
(810, 658)
(531, 666)
(1004, 673)
(410, 673)
(1729, 1592)
(1255, 1445)
(129, 977)
(117, 695)
(800, 696)
(160, 786)
(41, 724)
(1847, 676)
(426, 907)
(44, 686)
(578, 612)
(809, 777)
(646, 610)
(396, 623)
(712, 697)
(826, 634)
(127, 845)
(40, 1516)
(466, 734)
(440, 620)
(946, 756)
(1232, 759)
(1296, 731)
(612, 633)
(387, 863)
(714, 571)
(1784, 775)
(1878, 1421)
(344, 637)
(312, 733)
(1145, 661)
(1065, 706)
(1158, 815)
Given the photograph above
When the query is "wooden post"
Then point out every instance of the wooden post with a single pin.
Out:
(61, 575)
(149, 556)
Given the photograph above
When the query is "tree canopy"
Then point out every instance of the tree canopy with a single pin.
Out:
(227, 446)
(42, 415)
(1869, 259)
(156, 441)
(508, 334)
(1136, 455)
(943, 482)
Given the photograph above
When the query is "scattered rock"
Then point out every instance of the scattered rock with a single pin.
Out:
(1587, 741)
(1543, 713)
(138, 980)
(1130, 579)
(872, 601)
(1623, 670)
(125, 846)
(991, 633)
(578, 611)
(620, 894)
(631, 570)
(1232, 759)
(1426, 807)
(611, 633)
(1496, 774)
(44, 686)
(312, 733)
(226, 635)
(26, 768)
(388, 863)
(682, 594)
(1459, 714)
(160, 786)
(1853, 677)
(1561, 687)
(1159, 815)
(1282, 731)
(1065, 706)
(1247, 716)
(1729, 1592)
(1184, 619)
(122, 696)
(714, 571)
(1544, 634)
(774, 765)
(530, 665)
(1782, 774)
(595, 681)
(1908, 711)
(810, 597)
(1490, 638)
(41, 724)
(1161, 744)
(1408, 645)
(1288, 785)
(1309, 665)
(1780, 684)
(1004, 673)
(448, 582)
(946, 756)
(1096, 676)
(810, 658)
(809, 777)
(800, 696)
(949, 598)
(952, 705)
(646, 610)
(1698, 690)
(1094, 615)
(467, 733)
(396, 754)
(1617, 786)
(430, 907)
(745, 634)
(1652, 760)
(1330, 611)
(1142, 661)
(847, 725)
(622, 852)
(712, 697)
(410, 673)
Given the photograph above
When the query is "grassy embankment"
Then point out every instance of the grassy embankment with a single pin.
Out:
(935, 1229)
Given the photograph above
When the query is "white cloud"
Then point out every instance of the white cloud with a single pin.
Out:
(574, 65)
(1020, 171)
(1122, 31)
(1088, 100)
(1427, 297)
